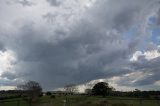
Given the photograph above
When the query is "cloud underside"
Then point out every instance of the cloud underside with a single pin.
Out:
(58, 42)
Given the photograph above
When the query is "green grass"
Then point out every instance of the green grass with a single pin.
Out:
(85, 101)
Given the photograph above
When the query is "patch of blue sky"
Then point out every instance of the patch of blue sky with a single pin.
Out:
(152, 22)
(156, 35)
(132, 32)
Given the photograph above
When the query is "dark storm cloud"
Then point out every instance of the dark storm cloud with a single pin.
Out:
(94, 47)
(76, 59)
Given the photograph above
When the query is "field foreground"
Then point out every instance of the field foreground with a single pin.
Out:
(83, 101)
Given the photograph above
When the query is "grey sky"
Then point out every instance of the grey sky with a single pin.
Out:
(57, 42)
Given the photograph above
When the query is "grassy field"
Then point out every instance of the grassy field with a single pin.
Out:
(83, 101)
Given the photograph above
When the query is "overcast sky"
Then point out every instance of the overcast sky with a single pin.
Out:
(59, 42)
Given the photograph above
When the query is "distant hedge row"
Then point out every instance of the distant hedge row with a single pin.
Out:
(9, 97)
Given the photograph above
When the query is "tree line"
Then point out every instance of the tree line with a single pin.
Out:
(103, 89)
(32, 90)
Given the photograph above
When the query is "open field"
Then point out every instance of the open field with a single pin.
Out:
(83, 101)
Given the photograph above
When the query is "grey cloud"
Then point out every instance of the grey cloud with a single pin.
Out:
(121, 17)
(25, 2)
(54, 2)
(150, 69)
(126, 17)
(50, 17)
(146, 64)
(7, 83)
(158, 17)
(93, 48)
(80, 55)
(149, 80)
(2, 48)
(8, 75)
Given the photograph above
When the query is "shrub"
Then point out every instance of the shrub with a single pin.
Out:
(53, 96)
(48, 93)
(120, 104)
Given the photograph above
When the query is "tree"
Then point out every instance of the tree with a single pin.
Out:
(48, 93)
(88, 91)
(31, 90)
(71, 88)
(101, 88)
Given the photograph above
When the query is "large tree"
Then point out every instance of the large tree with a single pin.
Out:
(31, 90)
(101, 88)
(71, 88)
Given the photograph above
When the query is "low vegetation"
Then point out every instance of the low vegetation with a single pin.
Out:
(83, 100)
(101, 94)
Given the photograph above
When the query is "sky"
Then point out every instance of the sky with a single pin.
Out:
(60, 42)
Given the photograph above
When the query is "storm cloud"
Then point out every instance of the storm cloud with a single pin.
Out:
(77, 41)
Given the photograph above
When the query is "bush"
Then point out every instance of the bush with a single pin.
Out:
(103, 103)
(120, 104)
(157, 97)
(48, 93)
(53, 96)
(9, 97)
(40, 95)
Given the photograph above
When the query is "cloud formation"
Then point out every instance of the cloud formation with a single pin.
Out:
(79, 41)
(54, 2)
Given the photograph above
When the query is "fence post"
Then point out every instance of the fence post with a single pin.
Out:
(64, 102)
(30, 102)
(158, 102)
(140, 102)
(51, 103)
(107, 104)
(17, 102)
